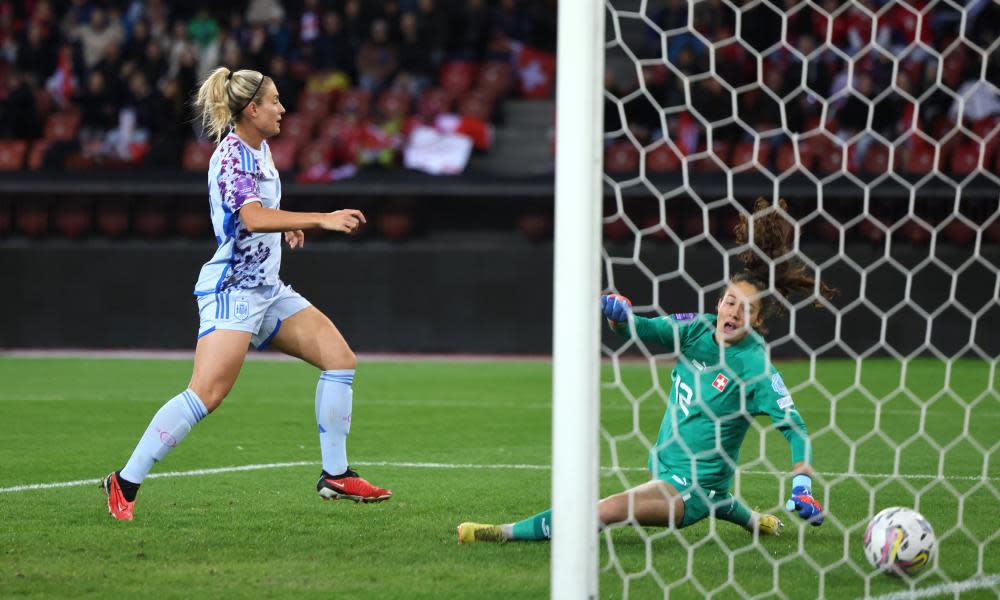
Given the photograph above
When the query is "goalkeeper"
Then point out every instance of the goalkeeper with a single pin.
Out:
(722, 379)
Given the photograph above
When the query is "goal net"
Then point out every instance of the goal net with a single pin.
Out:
(878, 123)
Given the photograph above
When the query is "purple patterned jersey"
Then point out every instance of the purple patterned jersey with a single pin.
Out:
(237, 175)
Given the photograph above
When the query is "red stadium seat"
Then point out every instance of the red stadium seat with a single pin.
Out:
(37, 154)
(457, 77)
(662, 160)
(33, 218)
(193, 224)
(113, 217)
(495, 78)
(965, 158)
(785, 158)
(296, 128)
(152, 219)
(62, 126)
(12, 154)
(394, 105)
(876, 159)
(476, 104)
(621, 157)
(831, 159)
(315, 105)
(283, 153)
(6, 221)
(319, 152)
(433, 102)
(742, 154)
(197, 154)
(919, 158)
(355, 103)
(335, 127)
(73, 218)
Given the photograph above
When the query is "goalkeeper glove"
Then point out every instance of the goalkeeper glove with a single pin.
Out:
(803, 501)
(616, 307)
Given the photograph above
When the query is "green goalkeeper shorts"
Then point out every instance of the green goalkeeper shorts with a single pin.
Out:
(699, 502)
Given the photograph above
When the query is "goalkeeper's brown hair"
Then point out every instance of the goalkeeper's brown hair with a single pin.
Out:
(772, 242)
(223, 96)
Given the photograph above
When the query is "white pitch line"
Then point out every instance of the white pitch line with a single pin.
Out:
(976, 583)
(435, 465)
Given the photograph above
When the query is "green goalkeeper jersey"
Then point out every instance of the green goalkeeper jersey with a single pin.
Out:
(714, 396)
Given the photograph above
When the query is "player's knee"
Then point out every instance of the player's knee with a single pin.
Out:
(339, 359)
(211, 395)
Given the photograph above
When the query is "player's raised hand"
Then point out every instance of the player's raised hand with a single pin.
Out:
(347, 220)
(616, 307)
(295, 239)
(802, 501)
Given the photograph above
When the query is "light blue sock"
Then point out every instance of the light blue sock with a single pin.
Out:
(334, 401)
(536, 528)
(169, 426)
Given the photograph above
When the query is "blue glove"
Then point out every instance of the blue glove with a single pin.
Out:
(803, 501)
(616, 307)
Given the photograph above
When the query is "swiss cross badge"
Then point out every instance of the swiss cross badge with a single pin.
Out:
(720, 382)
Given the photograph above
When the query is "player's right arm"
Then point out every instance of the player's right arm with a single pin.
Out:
(618, 311)
(259, 219)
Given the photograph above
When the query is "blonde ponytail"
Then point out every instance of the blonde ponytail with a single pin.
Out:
(223, 96)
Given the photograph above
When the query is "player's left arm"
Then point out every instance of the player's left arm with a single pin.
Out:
(773, 399)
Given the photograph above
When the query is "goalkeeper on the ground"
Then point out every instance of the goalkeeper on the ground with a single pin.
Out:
(722, 379)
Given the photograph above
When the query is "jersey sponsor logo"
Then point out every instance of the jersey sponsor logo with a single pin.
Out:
(785, 402)
(720, 382)
(684, 316)
(778, 385)
(241, 310)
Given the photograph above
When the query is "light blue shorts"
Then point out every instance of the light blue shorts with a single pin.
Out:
(258, 311)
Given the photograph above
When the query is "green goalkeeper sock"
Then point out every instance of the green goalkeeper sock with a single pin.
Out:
(734, 511)
(538, 527)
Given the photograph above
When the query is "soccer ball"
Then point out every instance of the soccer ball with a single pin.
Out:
(899, 541)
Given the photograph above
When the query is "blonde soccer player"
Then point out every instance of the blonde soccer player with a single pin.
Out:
(243, 302)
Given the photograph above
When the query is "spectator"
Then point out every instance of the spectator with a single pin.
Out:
(153, 64)
(134, 49)
(309, 23)
(98, 110)
(471, 28)
(980, 101)
(277, 70)
(97, 35)
(18, 112)
(415, 69)
(332, 50)
(202, 29)
(260, 49)
(432, 22)
(263, 12)
(62, 84)
(354, 24)
(36, 55)
(378, 58)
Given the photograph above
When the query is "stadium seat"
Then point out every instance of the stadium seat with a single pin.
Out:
(112, 217)
(193, 223)
(36, 155)
(152, 219)
(62, 126)
(296, 128)
(476, 104)
(621, 157)
(283, 153)
(355, 103)
(495, 78)
(319, 152)
(73, 217)
(433, 102)
(12, 154)
(457, 77)
(964, 158)
(742, 154)
(32, 218)
(785, 158)
(662, 160)
(6, 217)
(919, 158)
(334, 128)
(876, 159)
(394, 104)
(197, 154)
(315, 105)
(830, 159)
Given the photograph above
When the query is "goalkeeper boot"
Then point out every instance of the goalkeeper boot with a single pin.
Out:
(769, 524)
(118, 506)
(479, 532)
(350, 486)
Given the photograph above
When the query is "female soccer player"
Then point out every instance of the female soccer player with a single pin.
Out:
(242, 300)
(721, 380)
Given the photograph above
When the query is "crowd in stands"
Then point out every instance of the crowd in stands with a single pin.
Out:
(85, 82)
(849, 68)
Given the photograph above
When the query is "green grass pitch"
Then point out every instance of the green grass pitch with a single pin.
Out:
(466, 441)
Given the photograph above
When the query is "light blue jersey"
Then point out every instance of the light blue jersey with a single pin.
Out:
(238, 175)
